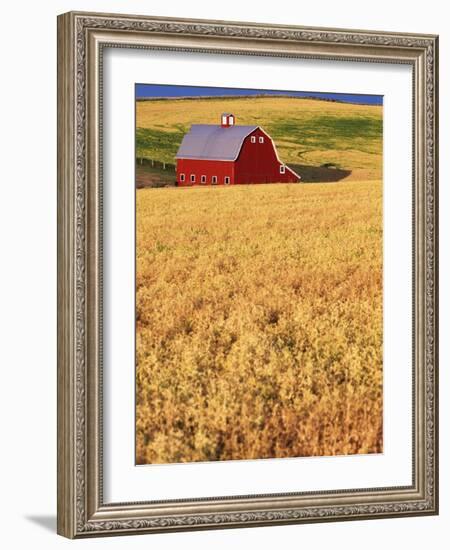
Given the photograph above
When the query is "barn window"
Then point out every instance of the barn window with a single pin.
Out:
(182, 177)
(253, 139)
(214, 179)
(227, 179)
(261, 139)
(203, 179)
(282, 169)
(192, 178)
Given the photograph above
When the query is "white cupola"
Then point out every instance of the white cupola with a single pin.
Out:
(227, 120)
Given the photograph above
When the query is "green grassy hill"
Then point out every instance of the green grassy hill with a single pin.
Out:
(313, 136)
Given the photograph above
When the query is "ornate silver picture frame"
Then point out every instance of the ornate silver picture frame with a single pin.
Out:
(82, 40)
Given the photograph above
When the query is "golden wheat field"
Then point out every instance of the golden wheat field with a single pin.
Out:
(259, 321)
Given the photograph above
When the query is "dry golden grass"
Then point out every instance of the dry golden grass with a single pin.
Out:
(259, 321)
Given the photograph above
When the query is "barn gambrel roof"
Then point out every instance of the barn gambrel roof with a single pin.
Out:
(213, 142)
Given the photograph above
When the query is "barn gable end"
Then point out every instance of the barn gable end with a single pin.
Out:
(258, 161)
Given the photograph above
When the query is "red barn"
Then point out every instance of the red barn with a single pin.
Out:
(227, 154)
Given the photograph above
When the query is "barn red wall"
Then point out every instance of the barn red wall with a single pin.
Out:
(258, 163)
(208, 168)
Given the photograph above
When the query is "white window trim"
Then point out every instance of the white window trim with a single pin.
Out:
(225, 180)
(253, 139)
(282, 169)
(182, 177)
(202, 179)
(192, 178)
(261, 139)
(213, 179)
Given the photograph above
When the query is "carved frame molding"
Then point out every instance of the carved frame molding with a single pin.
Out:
(81, 39)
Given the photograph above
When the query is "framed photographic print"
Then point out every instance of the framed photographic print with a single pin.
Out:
(247, 277)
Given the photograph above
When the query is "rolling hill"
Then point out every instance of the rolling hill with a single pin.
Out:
(322, 140)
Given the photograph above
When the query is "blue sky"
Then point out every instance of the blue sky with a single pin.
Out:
(163, 90)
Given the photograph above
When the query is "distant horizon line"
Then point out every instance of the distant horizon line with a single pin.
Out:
(265, 95)
(149, 92)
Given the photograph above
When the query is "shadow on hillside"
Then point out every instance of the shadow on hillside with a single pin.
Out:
(315, 174)
(163, 175)
(158, 175)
